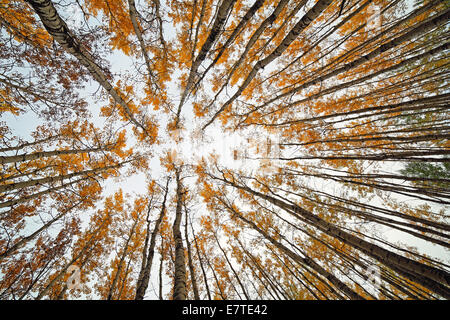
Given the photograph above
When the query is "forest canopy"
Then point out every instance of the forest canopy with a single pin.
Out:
(228, 149)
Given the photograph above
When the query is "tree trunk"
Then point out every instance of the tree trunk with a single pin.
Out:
(142, 284)
(121, 261)
(44, 154)
(222, 14)
(13, 202)
(304, 22)
(30, 183)
(179, 289)
(205, 279)
(190, 264)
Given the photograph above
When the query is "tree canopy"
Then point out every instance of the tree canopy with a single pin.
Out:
(230, 149)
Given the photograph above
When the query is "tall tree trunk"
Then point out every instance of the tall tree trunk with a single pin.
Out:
(219, 21)
(419, 29)
(205, 278)
(160, 272)
(30, 183)
(44, 154)
(145, 249)
(304, 22)
(13, 202)
(189, 252)
(142, 284)
(179, 289)
(22, 242)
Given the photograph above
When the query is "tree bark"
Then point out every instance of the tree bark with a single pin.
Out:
(43, 154)
(30, 183)
(121, 261)
(13, 202)
(205, 279)
(179, 290)
(190, 262)
(142, 284)
(222, 14)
